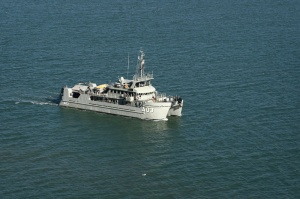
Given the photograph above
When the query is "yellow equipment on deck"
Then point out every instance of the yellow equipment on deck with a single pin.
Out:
(102, 86)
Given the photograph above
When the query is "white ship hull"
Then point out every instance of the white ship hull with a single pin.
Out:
(149, 110)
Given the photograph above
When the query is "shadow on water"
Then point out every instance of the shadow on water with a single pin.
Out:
(54, 99)
(101, 122)
(125, 137)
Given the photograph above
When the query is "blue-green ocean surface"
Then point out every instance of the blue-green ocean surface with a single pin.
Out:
(236, 64)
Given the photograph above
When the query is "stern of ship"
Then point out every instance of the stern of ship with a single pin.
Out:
(176, 108)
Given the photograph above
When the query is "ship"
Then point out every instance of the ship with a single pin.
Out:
(135, 98)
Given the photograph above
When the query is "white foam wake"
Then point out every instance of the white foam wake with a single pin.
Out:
(36, 102)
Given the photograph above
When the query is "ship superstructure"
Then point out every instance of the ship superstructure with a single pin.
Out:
(134, 97)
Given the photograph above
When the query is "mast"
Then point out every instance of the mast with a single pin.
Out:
(141, 63)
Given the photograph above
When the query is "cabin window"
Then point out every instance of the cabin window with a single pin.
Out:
(76, 95)
(96, 98)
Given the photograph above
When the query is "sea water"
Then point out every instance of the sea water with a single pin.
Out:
(236, 64)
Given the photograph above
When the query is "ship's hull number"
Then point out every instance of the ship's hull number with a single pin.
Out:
(147, 110)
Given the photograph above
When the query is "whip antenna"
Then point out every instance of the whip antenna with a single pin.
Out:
(128, 66)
